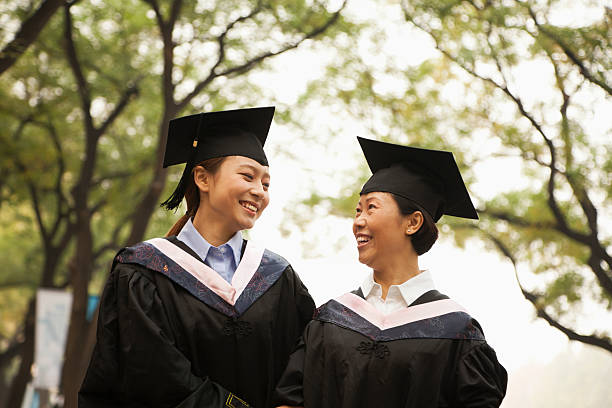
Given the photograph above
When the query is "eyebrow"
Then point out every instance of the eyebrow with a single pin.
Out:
(255, 169)
(366, 201)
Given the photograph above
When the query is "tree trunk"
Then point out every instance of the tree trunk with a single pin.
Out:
(13, 351)
(72, 373)
(24, 375)
(20, 381)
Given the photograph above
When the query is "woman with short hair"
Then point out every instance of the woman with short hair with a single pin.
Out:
(396, 341)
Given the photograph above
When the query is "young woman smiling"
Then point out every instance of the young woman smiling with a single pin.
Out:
(396, 341)
(201, 318)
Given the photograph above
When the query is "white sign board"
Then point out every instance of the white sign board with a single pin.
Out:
(52, 319)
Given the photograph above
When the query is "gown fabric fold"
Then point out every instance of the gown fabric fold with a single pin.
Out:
(343, 360)
(166, 340)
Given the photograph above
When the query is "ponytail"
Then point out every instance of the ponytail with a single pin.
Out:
(192, 194)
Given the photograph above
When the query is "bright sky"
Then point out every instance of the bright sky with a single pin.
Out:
(477, 278)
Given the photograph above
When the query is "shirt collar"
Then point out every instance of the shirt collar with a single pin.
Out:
(368, 284)
(194, 240)
(410, 290)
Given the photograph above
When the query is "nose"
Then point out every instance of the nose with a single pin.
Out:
(257, 190)
(358, 222)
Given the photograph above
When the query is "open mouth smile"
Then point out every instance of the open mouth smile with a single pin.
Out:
(250, 206)
(362, 240)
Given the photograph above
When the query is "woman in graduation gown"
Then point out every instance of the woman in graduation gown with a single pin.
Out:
(396, 341)
(201, 318)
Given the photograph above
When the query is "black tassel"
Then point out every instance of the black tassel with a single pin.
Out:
(173, 202)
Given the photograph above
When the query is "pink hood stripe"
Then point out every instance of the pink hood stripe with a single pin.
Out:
(207, 276)
(400, 317)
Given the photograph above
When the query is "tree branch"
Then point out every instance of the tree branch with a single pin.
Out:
(603, 342)
(594, 340)
(157, 11)
(62, 202)
(500, 69)
(175, 11)
(67, 236)
(35, 200)
(502, 87)
(28, 32)
(112, 176)
(95, 207)
(604, 278)
(10, 284)
(552, 201)
(75, 65)
(578, 189)
(37, 210)
(520, 222)
(166, 28)
(130, 91)
(569, 53)
(220, 57)
(246, 66)
(312, 34)
(113, 243)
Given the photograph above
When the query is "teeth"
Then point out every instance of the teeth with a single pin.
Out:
(249, 206)
(362, 239)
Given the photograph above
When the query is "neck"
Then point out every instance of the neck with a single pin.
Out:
(396, 270)
(214, 231)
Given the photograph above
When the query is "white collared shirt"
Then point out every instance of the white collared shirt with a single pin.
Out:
(223, 259)
(398, 296)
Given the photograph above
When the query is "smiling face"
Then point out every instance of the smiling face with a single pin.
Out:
(380, 229)
(234, 197)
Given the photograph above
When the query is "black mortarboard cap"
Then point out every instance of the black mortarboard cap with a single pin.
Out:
(195, 138)
(429, 178)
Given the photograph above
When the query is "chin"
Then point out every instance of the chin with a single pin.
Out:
(247, 224)
(364, 260)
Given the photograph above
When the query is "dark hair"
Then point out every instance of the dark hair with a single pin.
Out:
(426, 236)
(192, 194)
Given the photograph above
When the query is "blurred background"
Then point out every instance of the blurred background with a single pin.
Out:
(519, 91)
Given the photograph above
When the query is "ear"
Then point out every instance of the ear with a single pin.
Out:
(413, 222)
(202, 178)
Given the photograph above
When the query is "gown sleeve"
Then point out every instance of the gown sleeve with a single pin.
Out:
(135, 361)
(305, 303)
(481, 379)
(290, 388)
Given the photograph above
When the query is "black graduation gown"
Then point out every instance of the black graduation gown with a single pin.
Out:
(346, 361)
(166, 340)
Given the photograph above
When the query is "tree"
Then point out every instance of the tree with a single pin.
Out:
(28, 32)
(87, 108)
(476, 98)
(553, 225)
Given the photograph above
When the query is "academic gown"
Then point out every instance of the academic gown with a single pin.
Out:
(166, 339)
(430, 354)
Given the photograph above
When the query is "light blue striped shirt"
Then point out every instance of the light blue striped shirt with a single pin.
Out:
(223, 259)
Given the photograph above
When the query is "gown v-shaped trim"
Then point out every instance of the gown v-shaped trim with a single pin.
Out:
(258, 271)
(400, 317)
(206, 275)
(437, 319)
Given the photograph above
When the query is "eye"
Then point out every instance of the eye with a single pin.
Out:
(371, 206)
(248, 176)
